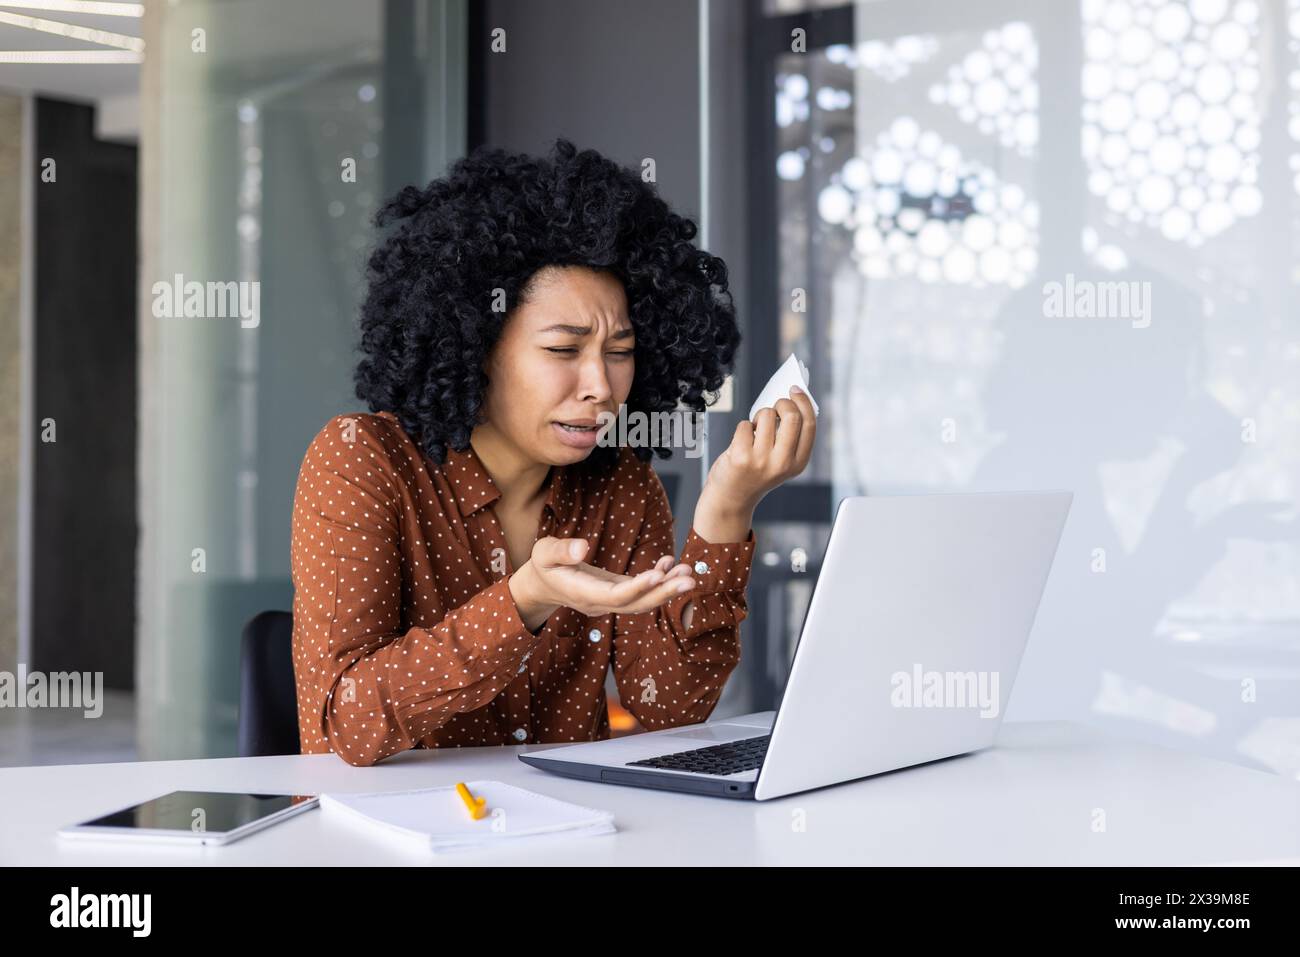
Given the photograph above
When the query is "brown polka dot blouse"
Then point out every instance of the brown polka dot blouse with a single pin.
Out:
(405, 634)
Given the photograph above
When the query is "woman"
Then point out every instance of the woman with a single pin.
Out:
(468, 561)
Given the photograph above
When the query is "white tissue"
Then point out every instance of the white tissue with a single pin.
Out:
(792, 372)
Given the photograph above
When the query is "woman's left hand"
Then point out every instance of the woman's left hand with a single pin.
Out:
(763, 454)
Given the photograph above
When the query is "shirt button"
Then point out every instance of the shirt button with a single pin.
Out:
(520, 734)
(594, 634)
(524, 666)
(701, 568)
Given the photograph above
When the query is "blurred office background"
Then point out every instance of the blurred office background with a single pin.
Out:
(892, 183)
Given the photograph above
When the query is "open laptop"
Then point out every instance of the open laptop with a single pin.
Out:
(907, 654)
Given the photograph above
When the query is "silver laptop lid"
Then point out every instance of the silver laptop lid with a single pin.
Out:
(913, 635)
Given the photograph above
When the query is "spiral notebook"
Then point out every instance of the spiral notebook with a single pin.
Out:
(437, 818)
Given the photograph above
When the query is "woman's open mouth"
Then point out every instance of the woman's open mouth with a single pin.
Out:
(579, 436)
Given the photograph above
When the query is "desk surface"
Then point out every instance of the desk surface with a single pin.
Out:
(1030, 800)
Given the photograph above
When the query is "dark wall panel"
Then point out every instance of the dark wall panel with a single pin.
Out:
(84, 526)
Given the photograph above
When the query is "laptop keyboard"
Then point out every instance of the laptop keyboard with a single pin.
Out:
(729, 758)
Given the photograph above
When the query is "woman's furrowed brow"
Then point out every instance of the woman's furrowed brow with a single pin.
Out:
(624, 333)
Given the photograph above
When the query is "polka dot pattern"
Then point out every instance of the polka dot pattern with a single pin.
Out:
(406, 635)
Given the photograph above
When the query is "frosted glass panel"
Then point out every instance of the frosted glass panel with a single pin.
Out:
(1064, 256)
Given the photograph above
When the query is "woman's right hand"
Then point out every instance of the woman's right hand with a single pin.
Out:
(557, 576)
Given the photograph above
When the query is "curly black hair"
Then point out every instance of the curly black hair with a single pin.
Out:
(496, 218)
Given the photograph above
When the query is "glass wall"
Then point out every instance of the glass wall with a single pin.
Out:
(1055, 246)
(280, 126)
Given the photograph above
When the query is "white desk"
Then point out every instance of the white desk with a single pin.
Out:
(1030, 800)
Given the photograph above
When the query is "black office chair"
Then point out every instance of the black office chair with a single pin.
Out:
(672, 482)
(268, 697)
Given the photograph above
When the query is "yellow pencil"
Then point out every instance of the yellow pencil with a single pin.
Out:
(477, 806)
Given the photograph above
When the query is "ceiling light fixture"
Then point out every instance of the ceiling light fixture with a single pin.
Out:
(73, 32)
(71, 56)
(97, 7)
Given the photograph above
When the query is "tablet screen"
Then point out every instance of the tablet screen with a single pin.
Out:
(198, 812)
